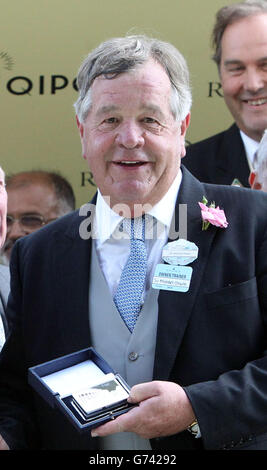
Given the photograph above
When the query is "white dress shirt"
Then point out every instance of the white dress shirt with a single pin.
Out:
(113, 249)
(251, 146)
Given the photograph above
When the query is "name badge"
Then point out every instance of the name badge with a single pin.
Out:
(174, 278)
(180, 252)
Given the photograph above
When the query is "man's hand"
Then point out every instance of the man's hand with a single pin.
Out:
(164, 409)
(3, 444)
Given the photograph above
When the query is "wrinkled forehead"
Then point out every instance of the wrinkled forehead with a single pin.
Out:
(148, 71)
(145, 85)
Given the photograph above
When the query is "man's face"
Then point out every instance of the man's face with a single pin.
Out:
(3, 208)
(37, 200)
(243, 73)
(130, 139)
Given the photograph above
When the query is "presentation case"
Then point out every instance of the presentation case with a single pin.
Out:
(83, 386)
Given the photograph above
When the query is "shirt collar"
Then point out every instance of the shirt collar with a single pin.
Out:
(251, 146)
(162, 211)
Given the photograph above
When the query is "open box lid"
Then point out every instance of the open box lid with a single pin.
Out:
(67, 374)
(61, 381)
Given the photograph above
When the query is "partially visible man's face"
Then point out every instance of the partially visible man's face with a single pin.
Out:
(243, 73)
(130, 139)
(37, 200)
(3, 208)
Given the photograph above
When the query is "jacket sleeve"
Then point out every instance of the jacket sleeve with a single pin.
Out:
(231, 410)
(17, 425)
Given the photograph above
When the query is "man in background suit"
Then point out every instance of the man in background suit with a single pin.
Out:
(35, 198)
(4, 271)
(195, 356)
(240, 44)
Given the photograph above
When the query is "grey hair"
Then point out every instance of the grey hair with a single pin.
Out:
(120, 55)
(229, 15)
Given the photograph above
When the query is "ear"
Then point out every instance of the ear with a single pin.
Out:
(81, 131)
(184, 126)
(80, 126)
(254, 184)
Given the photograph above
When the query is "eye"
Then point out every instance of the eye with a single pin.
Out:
(111, 120)
(108, 123)
(151, 123)
(236, 69)
(150, 120)
(264, 66)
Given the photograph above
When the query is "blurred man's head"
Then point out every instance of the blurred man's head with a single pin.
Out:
(35, 198)
(258, 177)
(240, 44)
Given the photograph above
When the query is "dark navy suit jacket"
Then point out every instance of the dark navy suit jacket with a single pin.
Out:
(219, 159)
(211, 340)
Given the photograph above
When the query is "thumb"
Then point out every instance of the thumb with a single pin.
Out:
(142, 392)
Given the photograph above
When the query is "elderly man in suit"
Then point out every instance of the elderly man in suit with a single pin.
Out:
(240, 44)
(181, 314)
(4, 271)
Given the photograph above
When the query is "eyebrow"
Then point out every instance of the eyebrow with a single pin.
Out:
(106, 109)
(154, 109)
(232, 62)
(240, 62)
(146, 108)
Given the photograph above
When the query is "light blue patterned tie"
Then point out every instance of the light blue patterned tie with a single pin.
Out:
(131, 286)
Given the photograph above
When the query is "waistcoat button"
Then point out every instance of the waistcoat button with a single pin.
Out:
(133, 356)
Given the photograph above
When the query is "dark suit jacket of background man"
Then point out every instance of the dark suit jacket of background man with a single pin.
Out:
(219, 159)
(205, 337)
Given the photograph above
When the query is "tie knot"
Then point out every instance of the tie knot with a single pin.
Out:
(135, 228)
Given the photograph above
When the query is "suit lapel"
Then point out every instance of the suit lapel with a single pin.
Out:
(71, 261)
(232, 156)
(175, 307)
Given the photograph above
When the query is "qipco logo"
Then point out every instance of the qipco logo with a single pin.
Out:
(21, 85)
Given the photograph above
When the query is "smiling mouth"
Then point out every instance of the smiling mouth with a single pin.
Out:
(130, 163)
(257, 102)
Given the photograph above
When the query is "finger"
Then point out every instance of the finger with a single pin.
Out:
(144, 391)
(112, 427)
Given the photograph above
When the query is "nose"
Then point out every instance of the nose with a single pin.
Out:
(130, 135)
(253, 80)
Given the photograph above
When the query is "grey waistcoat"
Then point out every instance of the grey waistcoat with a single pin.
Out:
(130, 355)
